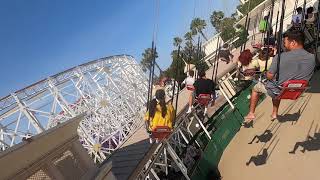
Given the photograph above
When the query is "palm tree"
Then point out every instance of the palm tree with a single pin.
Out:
(177, 41)
(197, 26)
(216, 18)
(188, 36)
(147, 59)
(188, 49)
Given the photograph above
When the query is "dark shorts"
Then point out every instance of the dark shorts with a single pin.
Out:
(261, 88)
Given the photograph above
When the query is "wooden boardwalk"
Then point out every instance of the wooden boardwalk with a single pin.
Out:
(270, 158)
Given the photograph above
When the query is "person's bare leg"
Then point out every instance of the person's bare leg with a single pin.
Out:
(276, 104)
(190, 102)
(253, 103)
(190, 99)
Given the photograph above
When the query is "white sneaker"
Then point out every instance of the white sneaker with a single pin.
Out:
(189, 110)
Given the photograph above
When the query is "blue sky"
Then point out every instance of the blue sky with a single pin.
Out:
(39, 38)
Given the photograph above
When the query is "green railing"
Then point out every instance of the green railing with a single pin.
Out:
(223, 126)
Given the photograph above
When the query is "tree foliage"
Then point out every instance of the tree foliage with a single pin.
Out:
(248, 6)
(215, 19)
(228, 31)
(243, 35)
(225, 26)
(189, 53)
(188, 36)
(176, 67)
(147, 59)
(177, 41)
(197, 26)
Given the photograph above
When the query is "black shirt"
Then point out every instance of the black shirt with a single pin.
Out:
(204, 86)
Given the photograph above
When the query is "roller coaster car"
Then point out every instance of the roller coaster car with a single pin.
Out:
(160, 132)
(292, 89)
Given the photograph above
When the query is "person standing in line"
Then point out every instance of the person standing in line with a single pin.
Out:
(189, 85)
(225, 54)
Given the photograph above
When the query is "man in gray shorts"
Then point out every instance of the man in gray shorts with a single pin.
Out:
(296, 63)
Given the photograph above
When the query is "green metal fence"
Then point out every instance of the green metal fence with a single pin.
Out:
(223, 126)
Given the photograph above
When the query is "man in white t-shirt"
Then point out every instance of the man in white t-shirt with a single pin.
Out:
(189, 85)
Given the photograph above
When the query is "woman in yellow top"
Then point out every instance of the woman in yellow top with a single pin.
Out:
(161, 114)
(249, 67)
(260, 62)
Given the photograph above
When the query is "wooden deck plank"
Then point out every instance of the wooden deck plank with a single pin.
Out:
(290, 128)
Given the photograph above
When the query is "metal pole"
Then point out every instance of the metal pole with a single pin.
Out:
(151, 82)
(245, 23)
(245, 44)
(198, 48)
(317, 38)
(216, 58)
(303, 15)
(280, 40)
(177, 96)
(150, 73)
(269, 28)
(276, 30)
(215, 78)
(295, 7)
(176, 74)
(153, 64)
